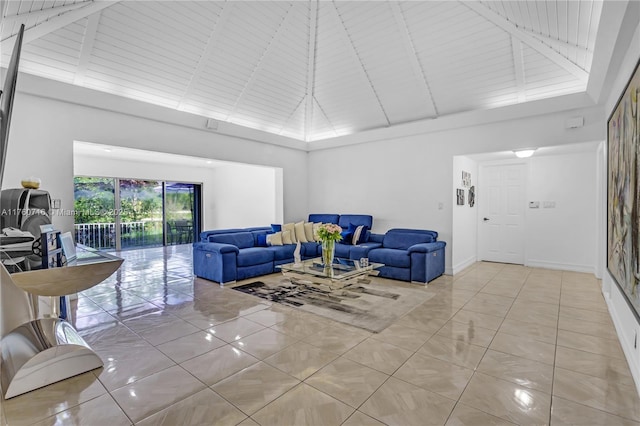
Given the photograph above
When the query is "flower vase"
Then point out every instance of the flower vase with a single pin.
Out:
(328, 251)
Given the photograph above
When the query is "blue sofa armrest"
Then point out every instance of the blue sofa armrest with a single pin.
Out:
(427, 261)
(220, 248)
(419, 248)
(215, 261)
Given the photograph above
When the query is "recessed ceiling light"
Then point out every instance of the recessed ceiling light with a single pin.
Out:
(107, 149)
(524, 153)
(209, 162)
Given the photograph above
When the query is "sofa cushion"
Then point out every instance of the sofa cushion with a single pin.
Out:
(274, 239)
(416, 231)
(287, 237)
(324, 218)
(291, 227)
(355, 219)
(261, 240)
(343, 250)
(308, 232)
(390, 257)
(346, 237)
(404, 240)
(282, 252)
(238, 239)
(310, 249)
(276, 227)
(254, 256)
(300, 233)
(355, 234)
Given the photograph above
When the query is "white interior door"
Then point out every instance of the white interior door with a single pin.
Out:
(501, 206)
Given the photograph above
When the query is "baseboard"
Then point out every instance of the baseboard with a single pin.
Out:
(463, 265)
(532, 263)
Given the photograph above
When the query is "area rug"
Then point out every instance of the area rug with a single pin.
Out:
(372, 306)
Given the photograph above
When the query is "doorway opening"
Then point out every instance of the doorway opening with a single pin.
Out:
(120, 214)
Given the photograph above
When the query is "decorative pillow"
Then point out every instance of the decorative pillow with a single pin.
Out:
(291, 227)
(308, 232)
(286, 237)
(315, 230)
(261, 240)
(274, 239)
(359, 234)
(347, 237)
(275, 227)
(300, 235)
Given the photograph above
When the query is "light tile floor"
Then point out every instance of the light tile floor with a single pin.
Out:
(498, 344)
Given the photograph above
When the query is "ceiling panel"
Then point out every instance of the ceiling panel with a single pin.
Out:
(312, 70)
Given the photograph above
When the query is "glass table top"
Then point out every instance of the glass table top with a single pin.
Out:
(341, 268)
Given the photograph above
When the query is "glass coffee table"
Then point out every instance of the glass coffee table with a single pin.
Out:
(341, 273)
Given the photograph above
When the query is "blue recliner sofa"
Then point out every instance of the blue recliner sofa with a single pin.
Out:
(413, 255)
(228, 255)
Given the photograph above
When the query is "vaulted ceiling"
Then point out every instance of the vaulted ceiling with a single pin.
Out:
(311, 70)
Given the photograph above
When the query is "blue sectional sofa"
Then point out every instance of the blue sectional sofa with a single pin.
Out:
(228, 255)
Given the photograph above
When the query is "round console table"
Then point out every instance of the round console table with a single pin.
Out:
(46, 350)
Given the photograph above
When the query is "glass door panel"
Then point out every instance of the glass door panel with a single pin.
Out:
(140, 213)
(94, 212)
(179, 212)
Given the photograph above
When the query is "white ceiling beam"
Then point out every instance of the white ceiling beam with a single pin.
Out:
(528, 39)
(558, 44)
(208, 51)
(326, 118)
(291, 116)
(518, 64)
(412, 55)
(58, 22)
(50, 12)
(311, 69)
(267, 52)
(87, 47)
(349, 45)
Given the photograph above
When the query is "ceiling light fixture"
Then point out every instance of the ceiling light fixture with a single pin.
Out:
(524, 153)
(107, 149)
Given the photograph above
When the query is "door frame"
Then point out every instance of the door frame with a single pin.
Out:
(525, 188)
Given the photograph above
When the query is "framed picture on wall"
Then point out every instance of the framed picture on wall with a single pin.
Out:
(460, 197)
(466, 179)
(623, 193)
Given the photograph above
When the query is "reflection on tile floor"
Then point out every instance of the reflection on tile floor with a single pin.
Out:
(497, 345)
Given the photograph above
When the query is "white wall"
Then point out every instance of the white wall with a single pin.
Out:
(464, 243)
(565, 236)
(626, 324)
(401, 180)
(43, 131)
(243, 196)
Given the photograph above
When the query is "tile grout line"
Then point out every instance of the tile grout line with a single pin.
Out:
(475, 370)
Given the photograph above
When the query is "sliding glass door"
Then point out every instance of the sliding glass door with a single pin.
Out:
(180, 212)
(140, 213)
(94, 208)
(113, 213)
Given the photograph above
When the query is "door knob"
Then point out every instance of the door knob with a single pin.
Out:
(486, 219)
